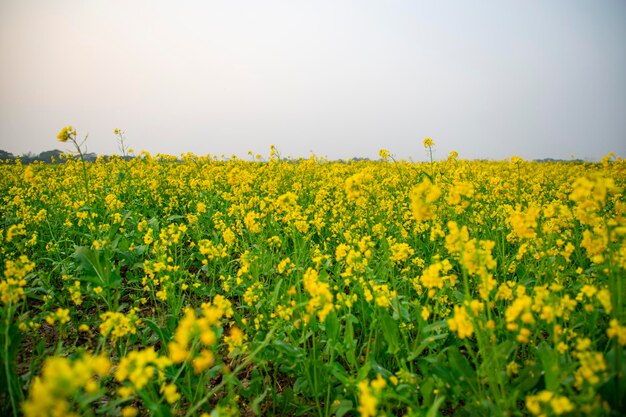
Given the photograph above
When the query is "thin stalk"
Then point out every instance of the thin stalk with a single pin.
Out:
(332, 359)
(618, 313)
(6, 359)
(495, 383)
(82, 160)
(192, 352)
(432, 167)
(519, 183)
(241, 366)
(317, 401)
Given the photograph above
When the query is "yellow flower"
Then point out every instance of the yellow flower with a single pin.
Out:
(592, 368)
(561, 405)
(379, 383)
(617, 331)
(428, 143)
(433, 277)
(235, 339)
(203, 361)
(357, 184)
(523, 222)
(116, 325)
(400, 252)
(423, 197)
(139, 367)
(66, 133)
(192, 328)
(29, 175)
(129, 411)
(461, 323)
(61, 379)
(62, 315)
(321, 297)
(170, 393)
(15, 272)
(604, 297)
(367, 400)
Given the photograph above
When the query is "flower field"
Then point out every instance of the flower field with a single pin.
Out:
(211, 287)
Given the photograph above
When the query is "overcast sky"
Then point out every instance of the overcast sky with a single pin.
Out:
(489, 79)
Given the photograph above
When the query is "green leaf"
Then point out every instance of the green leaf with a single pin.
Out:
(399, 310)
(390, 333)
(256, 409)
(291, 353)
(550, 361)
(528, 378)
(380, 370)
(427, 389)
(89, 262)
(332, 327)
(139, 250)
(123, 245)
(300, 385)
(364, 371)
(432, 411)
(114, 279)
(463, 368)
(349, 341)
(428, 341)
(157, 330)
(340, 373)
(276, 294)
(174, 217)
(435, 327)
(342, 408)
(92, 279)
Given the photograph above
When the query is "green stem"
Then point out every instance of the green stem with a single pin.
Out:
(6, 359)
(519, 185)
(493, 376)
(192, 352)
(328, 387)
(82, 160)
(317, 401)
(243, 364)
(432, 167)
(618, 313)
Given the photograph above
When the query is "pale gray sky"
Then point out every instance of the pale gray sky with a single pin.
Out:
(489, 79)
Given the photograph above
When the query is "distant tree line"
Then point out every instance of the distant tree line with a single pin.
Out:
(49, 157)
(54, 157)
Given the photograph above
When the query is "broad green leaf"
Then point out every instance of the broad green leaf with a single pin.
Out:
(390, 333)
(332, 327)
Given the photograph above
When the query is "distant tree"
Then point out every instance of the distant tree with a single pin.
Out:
(91, 156)
(4, 155)
(28, 158)
(50, 156)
